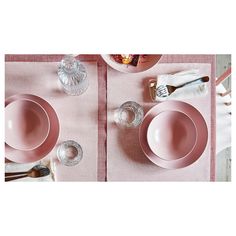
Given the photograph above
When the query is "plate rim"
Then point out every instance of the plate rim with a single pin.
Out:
(178, 163)
(13, 154)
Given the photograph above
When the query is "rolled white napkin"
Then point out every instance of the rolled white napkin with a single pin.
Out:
(195, 89)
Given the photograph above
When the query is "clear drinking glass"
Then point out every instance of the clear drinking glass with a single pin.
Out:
(73, 76)
(129, 115)
(69, 153)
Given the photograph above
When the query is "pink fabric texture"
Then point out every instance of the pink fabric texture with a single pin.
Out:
(126, 161)
(77, 114)
(104, 160)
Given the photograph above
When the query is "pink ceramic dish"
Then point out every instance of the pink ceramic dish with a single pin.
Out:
(145, 63)
(26, 124)
(171, 135)
(201, 130)
(49, 143)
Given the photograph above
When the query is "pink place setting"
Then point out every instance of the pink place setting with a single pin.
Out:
(117, 117)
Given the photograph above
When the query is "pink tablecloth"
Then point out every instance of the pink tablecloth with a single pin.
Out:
(100, 165)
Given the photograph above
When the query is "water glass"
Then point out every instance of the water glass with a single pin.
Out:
(69, 153)
(129, 115)
(73, 76)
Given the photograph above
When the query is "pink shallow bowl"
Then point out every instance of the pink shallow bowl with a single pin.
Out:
(201, 135)
(26, 125)
(145, 63)
(22, 156)
(171, 135)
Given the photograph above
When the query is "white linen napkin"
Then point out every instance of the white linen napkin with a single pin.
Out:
(195, 89)
(16, 167)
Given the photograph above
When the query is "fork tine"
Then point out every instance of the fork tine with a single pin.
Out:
(162, 91)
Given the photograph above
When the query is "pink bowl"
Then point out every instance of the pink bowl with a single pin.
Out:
(201, 134)
(171, 135)
(145, 63)
(26, 125)
(22, 156)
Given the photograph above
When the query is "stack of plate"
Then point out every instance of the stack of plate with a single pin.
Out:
(31, 128)
(173, 134)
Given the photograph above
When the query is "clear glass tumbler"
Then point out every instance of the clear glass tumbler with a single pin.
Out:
(129, 115)
(69, 153)
(73, 76)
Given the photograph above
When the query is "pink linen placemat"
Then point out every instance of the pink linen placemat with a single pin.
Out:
(78, 115)
(102, 101)
(125, 159)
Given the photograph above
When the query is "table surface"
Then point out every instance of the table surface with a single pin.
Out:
(102, 96)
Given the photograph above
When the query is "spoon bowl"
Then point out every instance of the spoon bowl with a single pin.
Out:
(35, 172)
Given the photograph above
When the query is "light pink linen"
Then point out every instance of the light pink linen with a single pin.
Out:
(102, 101)
(78, 115)
(126, 161)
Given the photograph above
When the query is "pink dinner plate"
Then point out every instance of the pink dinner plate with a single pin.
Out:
(38, 153)
(171, 135)
(145, 63)
(26, 124)
(201, 134)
